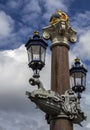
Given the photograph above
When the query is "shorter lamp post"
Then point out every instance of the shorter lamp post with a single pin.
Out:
(36, 49)
(78, 77)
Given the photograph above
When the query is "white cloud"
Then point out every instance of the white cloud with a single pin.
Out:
(82, 48)
(16, 110)
(6, 24)
(15, 71)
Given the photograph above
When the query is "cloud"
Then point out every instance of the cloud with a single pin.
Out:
(33, 15)
(81, 22)
(17, 121)
(36, 7)
(14, 68)
(14, 79)
(52, 6)
(6, 24)
(16, 110)
(13, 4)
(82, 48)
(88, 126)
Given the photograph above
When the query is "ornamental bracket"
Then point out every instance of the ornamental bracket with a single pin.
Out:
(54, 105)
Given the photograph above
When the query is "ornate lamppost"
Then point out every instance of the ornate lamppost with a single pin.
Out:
(78, 77)
(61, 104)
(36, 48)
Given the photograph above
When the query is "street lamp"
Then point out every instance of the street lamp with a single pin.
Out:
(60, 103)
(36, 49)
(78, 77)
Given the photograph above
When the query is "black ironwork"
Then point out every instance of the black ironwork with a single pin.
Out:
(78, 77)
(36, 49)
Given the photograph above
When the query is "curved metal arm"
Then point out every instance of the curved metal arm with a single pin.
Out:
(37, 82)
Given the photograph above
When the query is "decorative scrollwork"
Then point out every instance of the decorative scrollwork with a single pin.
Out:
(54, 105)
(59, 29)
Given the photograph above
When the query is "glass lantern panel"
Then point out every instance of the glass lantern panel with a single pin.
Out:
(83, 80)
(72, 81)
(43, 50)
(76, 79)
(79, 79)
(36, 52)
(29, 55)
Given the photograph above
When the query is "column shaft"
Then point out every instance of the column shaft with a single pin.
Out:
(60, 82)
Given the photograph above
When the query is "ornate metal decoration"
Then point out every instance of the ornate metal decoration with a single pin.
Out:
(59, 30)
(54, 105)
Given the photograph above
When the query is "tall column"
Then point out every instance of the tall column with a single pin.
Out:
(59, 32)
(59, 69)
(60, 81)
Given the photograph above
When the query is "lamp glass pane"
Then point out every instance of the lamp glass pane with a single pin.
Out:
(36, 52)
(29, 55)
(83, 80)
(72, 81)
(43, 50)
(78, 79)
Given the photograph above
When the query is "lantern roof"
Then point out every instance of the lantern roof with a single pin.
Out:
(78, 67)
(35, 40)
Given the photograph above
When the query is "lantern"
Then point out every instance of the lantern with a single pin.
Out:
(78, 77)
(36, 49)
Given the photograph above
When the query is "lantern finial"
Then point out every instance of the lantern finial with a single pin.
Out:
(77, 60)
(36, 32)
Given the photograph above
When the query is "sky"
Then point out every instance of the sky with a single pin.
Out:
(18, 20)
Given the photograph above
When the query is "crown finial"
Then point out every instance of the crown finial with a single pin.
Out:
(77, 60)
(36, 32)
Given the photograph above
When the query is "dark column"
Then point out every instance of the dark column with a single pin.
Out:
(60, 81)
(61, 124)
(60, 69)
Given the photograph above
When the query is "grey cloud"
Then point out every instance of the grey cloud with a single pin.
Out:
(81, 22)
(84, 51)
(6, 25)
(16, 110)
(14, 120)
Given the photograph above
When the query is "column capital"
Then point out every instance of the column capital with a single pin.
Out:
(59, 30)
